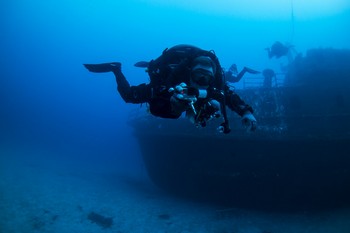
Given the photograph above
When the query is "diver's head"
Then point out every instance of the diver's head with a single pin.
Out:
(268, 73)
(202, 72)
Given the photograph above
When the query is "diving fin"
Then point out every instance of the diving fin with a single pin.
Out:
(142, 64)
(251, 71)
(103, 67)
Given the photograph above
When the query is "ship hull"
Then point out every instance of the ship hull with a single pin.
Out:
(253, 173)
(299, 156)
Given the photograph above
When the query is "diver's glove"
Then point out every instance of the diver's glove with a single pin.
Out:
(185, 93)
(249, 121)
(182, 99)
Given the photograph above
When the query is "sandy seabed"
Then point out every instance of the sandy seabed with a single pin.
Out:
(44, 192)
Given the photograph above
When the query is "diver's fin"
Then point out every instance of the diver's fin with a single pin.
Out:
(251, 71)
(103, 67)
(142, 64)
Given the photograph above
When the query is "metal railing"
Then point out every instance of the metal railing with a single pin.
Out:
(256, 82)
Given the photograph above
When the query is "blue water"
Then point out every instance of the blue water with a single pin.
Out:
(50, 102)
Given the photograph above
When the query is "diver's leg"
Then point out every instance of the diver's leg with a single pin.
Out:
(123, 85)
(240, 75)
(115, 67)
(132, 94)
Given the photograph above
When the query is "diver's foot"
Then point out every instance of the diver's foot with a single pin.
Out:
(103, 67)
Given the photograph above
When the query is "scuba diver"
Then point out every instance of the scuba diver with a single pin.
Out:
(233, 76)
(269, 75)
(184, 78)
(278, 50)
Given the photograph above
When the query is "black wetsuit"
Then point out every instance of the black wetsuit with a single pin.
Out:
(169, 70)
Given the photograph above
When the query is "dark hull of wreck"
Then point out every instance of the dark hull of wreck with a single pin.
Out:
(241, 170)
(298, 158)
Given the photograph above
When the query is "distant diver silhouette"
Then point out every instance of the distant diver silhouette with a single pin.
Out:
(278, 50)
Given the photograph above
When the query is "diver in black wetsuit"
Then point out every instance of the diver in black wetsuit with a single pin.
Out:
(278, 50)
(233, 76)
(183, 79)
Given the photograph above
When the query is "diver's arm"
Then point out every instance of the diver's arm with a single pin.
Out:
(236, 104)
